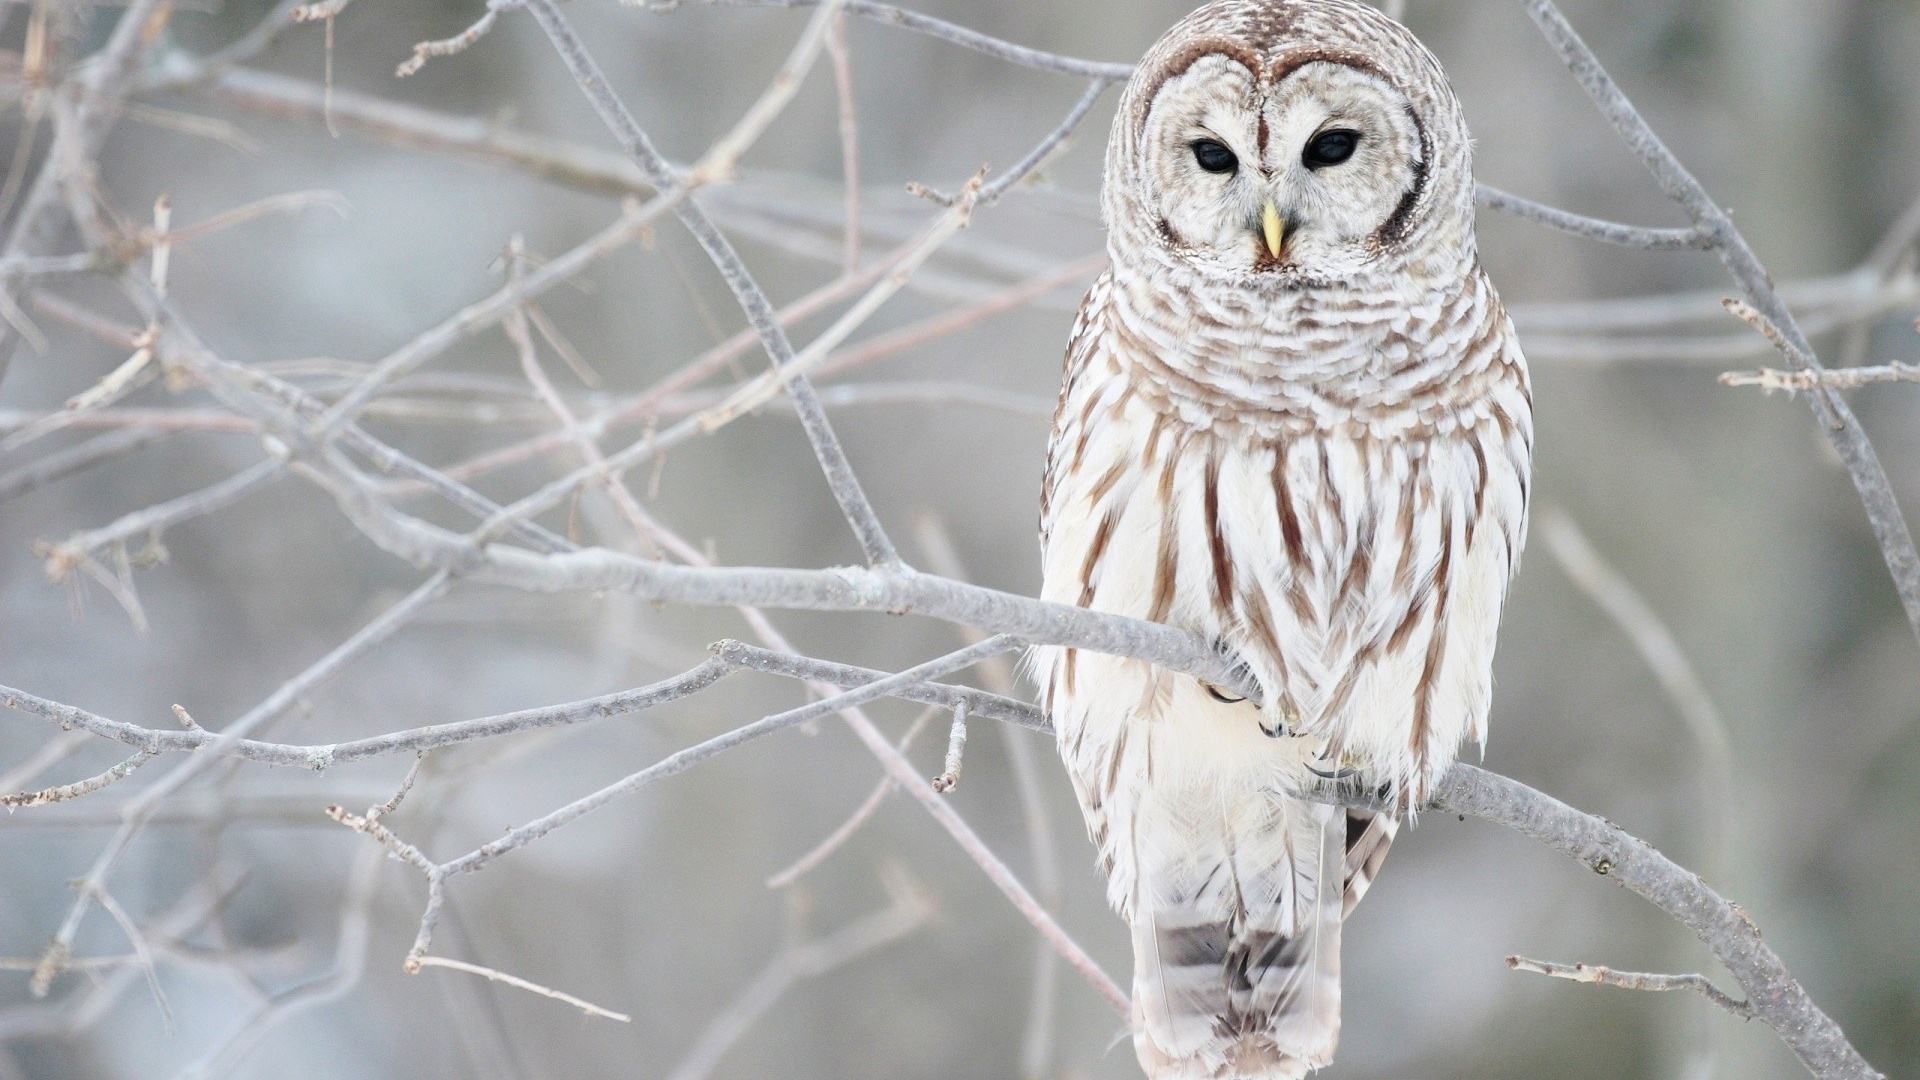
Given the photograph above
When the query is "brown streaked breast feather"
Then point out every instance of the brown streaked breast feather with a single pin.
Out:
(1217, 542)
(1166, 567)
(1103, 486)
(1096, 551)
(1406, 523)
(1283, 502)
(1479, 484)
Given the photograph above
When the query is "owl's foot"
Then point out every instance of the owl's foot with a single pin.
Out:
(1341, 769)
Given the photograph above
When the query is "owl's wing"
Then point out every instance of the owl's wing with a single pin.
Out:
(1070, 428)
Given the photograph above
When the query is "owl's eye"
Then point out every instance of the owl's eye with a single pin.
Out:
(1330, 148)
(1215, 157)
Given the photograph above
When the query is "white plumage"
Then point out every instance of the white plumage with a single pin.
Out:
(1313, 452)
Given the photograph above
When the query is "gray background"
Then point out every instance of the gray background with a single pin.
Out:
(1722, 506)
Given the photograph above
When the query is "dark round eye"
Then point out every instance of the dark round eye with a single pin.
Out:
(1330, 148)
(1215, 157)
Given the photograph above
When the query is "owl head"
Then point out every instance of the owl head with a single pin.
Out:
(1290, 143)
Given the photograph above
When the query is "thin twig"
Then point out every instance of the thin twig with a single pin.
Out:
(763, 388)
(632, 222)
(140, 808)
(901, 772)
(458, 43)
(1593, 228)
(949, 777)
(151, 522)
(1802, 381)
(51, 753)
(657, 400)
(717, 164)
(141, 951)
(1633, 980)
(957, 35)
(799, 961)
(838, 838)
(1036, 1046)
(840, 54)
(343, 973)
(584, 1006)
(519, 837)
(1034, 158)
(413, 741)
(26, 800)
(1671, 668)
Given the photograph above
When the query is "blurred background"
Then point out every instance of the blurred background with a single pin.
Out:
(1722, 507)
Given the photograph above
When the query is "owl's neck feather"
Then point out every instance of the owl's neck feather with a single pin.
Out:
(1395, 350)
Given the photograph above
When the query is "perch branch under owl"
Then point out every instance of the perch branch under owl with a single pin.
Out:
(1776, 998)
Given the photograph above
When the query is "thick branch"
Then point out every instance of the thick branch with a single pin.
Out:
(1777, 998)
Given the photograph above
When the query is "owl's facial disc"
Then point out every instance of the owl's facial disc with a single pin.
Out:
(1303, 178)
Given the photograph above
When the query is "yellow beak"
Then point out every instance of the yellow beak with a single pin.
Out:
(1273, 228)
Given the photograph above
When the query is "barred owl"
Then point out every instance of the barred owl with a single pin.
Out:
(1295, 421)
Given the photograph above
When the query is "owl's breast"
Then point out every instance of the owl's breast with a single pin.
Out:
(1359, 576)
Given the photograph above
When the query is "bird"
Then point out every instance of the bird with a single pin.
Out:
(1296, 422)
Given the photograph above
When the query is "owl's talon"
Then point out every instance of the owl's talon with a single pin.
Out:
(1222, 696)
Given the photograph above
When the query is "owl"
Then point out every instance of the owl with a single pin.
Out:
(1295, 421)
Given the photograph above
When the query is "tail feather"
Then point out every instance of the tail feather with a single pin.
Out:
(1241, 977)
(1369, 835)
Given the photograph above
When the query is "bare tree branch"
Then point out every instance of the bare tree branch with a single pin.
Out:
(1608, 232)
(798, 961)
(1778, 999)
(98, 93)
(1670, 666)
(154, 520)
(1802, 381)
(76, 459)
(516, 981)
(138, 809)
(838, 838)
(760, 312)
(1842, 427)
(88, 786)
(307, 416)
(1633, 980)
(946, 31)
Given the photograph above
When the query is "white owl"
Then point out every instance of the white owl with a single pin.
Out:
(1295, 422)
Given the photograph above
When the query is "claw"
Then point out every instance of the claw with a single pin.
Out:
(1222, 696)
